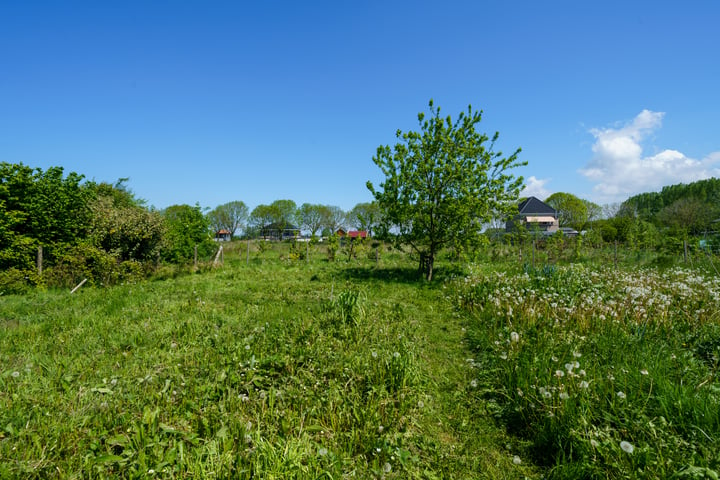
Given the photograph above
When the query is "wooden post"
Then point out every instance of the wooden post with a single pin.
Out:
(78, 286)
(247, 261)
(307, 251)
(616, 261)
(533, 254)
(685, 251)
(195, 257)
(377, 256)
(39, 260)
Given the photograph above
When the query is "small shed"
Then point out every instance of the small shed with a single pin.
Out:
(223, 235)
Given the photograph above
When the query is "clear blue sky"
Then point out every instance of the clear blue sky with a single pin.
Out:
(211, 102)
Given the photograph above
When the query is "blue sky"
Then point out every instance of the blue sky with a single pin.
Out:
(209, 102)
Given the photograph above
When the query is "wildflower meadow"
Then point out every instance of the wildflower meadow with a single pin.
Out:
(272, 366)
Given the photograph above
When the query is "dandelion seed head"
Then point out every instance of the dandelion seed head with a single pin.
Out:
(514, 337)
(564, 396)
(621, 395)
(643, 371)
(387, 468)
(559, 373)
(516, 460)
(15, 374)
(627, 447)
(584, 384)
(322, 451)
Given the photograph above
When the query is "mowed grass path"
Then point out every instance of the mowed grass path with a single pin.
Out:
(276, 369)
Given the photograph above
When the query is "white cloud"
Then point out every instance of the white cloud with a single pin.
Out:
(620, 170)
(535, 187)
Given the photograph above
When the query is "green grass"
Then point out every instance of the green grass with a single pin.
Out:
(274, 369)
(280, 367)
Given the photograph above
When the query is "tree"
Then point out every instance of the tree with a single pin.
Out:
(687, 216)
(443, 183)
(334, 218)
(230, 216)
(284, 211)
(365, 216)
(186, 228)
(572, 211)
(311, 217)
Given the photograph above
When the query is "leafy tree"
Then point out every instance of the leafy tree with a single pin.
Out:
(262, 215)
(443, 183)
(365, 216)
(311, 217)
(230, 216)
(186, 227)
(334, 218)
(572, 211)
(687, 216)
(284, 211)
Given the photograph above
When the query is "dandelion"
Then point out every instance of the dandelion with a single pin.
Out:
(322, 452)
(564, 396)
(247, 347)
(387, 468)
(559, 373)
(577, 354)
(516, 460)
(569, 367)
(15, 374)
(514, 337)
(627, 447)
(380, 428)
(643, 371)
(396, 354)
(584, 384)
(581, 373)
(594, 443)
(374, 354)
(473, 383)
(621, 395)
(421, 404)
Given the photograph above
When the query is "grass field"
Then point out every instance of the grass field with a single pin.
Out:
(283, 368)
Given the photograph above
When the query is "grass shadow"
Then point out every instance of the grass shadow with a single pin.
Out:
(404, 275)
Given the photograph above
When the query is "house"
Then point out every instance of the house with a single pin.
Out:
(535, 216)
(223, 235)
(352, 234)
(279, 231)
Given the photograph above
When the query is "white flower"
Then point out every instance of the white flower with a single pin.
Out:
(473, 383)
(559, 373)
(584, 384)
(594, 443)
(396, 354)
(516, 460)
(15, 374)
(643, 371)
(322, 451)
(577, 354)
(514, 337)
(627, 447)
(421, 404)
(387, 468)
(564, 396)
(621, 395)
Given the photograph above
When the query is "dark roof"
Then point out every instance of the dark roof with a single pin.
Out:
(533, 206)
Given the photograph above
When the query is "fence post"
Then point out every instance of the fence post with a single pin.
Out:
(247, 260)
(307, 251)
(39, 260)
(195, 257)
(616, 260)
(685, 251)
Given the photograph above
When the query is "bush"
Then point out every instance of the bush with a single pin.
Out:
(15, 281)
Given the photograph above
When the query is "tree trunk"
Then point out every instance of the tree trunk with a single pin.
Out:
(426, 265)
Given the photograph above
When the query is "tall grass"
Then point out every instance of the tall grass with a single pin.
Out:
(607, 374)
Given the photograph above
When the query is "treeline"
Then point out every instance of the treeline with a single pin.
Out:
(314, 219)
(57, 229)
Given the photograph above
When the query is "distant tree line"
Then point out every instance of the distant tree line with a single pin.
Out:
(313, 219)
